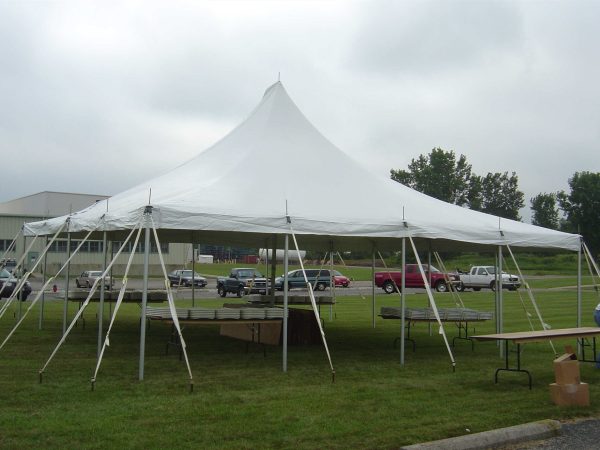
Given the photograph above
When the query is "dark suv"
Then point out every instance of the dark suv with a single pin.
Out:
(8, 284)
(320, 279)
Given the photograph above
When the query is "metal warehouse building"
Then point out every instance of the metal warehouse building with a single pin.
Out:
(45, 205)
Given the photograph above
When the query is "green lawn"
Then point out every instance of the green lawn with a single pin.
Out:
(243, 400)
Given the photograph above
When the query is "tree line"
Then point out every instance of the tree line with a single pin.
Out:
(442, 175)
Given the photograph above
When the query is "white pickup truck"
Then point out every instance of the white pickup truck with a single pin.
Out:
(485, 277)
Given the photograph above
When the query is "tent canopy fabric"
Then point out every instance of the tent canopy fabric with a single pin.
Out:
(276, 164)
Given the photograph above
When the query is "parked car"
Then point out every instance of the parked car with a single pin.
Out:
(340, 280)
(89, 277)
(389, 280)
(242, 281)
(185, 277)
(8, 284)
(320, 279)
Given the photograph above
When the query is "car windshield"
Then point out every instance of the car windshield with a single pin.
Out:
(95, 274)
(188, 273)
(337, 274)
(249, 273)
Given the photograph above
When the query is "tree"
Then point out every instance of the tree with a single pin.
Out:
(501, 196)
(545, 211)
(582, 207)
(438, 174)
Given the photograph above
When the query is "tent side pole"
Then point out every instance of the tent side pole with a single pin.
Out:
(500, 298)
(373, 285)
(193, 273)
(429, 281)
(67, 274)
(274, 265)
(331, 281)
(144, 292)
(19, 295)
(403, 301)
(41, 319)
(285, 301)
(579, 286)
(102, 290)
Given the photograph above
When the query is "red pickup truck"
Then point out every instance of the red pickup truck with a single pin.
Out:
(413, 279)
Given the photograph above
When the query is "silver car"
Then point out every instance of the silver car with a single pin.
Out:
(89, 277)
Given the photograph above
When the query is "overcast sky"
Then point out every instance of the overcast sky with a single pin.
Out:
(96, 97)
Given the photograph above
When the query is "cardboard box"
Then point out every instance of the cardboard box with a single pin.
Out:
(265, 333)
(570, 394)
(566, 369)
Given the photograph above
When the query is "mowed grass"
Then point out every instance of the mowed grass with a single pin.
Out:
(244, 400)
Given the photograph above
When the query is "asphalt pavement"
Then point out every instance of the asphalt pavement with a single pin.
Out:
(581, 434)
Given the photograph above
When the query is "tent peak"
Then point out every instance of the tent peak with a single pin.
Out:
(273, 87)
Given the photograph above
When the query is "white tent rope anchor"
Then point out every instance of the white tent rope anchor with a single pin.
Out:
(41, 291)
(87, 300)
(174, 316)
(26, 275)
(389, 274)
(117, 306)
(314, 305)
(544, 325)
(431, 299)
(591, 258)
(22, 280)
(403, 306)
(453, 290)
(589, 265)
(9, 249)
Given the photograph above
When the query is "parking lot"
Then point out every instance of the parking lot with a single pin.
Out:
(210, 291)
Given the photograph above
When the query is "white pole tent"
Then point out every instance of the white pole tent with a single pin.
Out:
(265, 180)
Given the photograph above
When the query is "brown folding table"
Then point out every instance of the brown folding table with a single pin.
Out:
(523, 337)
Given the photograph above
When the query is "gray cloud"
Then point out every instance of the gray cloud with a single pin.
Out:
(429, 38)
(98, 96)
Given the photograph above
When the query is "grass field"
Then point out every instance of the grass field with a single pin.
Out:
(244, 400)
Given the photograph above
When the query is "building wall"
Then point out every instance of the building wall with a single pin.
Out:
(176, 256)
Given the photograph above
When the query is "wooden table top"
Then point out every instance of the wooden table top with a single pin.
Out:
(541, 335)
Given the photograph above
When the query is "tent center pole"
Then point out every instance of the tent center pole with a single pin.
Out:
(144, 291)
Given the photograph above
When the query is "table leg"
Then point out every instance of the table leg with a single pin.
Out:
(507, 367)
(465, 337)
(583, 344)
